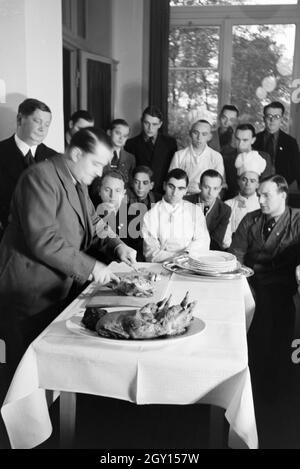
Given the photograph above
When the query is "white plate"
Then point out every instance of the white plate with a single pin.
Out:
(178, 266)
(213, 257)
(75, 326)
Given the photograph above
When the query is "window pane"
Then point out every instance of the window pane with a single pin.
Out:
(193, 77)
(81, 18)
(262, 68)
(195, 3)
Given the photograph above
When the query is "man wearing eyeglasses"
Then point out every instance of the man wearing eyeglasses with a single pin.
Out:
(282, 148)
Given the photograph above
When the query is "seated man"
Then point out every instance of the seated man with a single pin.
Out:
(122, 161)
(268, 240)
(198, 157)
(110, 199)
(217, 214)
(224, 135)
(79, 120)
(140, 199)
(245, 138)
(23, 149)
(249, 167)
(151, 147)
(282, 148)
(174, 225)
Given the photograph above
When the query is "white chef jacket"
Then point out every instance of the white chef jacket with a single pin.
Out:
(168, 230)
(240, 206)
(194, 165)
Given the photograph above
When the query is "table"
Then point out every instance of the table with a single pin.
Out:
(211, 368)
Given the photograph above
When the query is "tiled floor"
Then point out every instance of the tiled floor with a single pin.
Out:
(106, 423)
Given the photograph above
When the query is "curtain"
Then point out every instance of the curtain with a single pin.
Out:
(159, 55)
(99, 92)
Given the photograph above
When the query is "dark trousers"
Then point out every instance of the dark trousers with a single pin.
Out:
(271, 332)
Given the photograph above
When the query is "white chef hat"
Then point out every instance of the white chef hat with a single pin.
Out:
(251, 161)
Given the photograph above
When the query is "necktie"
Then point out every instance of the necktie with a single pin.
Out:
(85, 213)
(268, 227)
(29, 160)
(270, 147)
(150, 142)
(115, 160)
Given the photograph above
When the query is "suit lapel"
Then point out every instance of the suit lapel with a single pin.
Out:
(278, 232)
(212, 214)
(69, 186)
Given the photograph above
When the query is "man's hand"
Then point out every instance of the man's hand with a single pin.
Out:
(102, 274)
(127, 255)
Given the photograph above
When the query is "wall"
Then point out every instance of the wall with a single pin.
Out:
(99, 32)
(31, 61)
(130, 46)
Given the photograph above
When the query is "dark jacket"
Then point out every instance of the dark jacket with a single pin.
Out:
(287, 159)
(217, 220)
(275, 259)
(12, 164)
(159, 160)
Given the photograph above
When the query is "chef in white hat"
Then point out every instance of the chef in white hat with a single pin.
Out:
(249, 168)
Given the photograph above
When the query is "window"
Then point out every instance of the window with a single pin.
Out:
(193, 3)
(239, 55)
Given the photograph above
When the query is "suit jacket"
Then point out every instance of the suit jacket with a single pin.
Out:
(275, 259)
(12, 164)
(159, 161)
(217, 220)
(41, 252)
(287, 159)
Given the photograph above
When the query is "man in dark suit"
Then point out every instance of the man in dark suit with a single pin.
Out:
(44, 249)
(282, 148)
(80, 119)
(23, 149)
(216, 213)
(268, 240)
(151, 148)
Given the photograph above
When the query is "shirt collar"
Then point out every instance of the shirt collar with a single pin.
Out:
(23, 147)
(170, 207)
(195, 154)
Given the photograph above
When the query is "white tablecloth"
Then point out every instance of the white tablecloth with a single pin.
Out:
(210, 367)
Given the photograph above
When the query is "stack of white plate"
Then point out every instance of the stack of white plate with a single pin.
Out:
(213, 262)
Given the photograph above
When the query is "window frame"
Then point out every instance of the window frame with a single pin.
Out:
(226, 17)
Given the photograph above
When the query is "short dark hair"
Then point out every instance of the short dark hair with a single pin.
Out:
(116, 122)
(81, 114)
(153, 111)
(112, 173)
(211, 173)
(276, 105)
(200, 121)
(229, 107)
(280, 182)
(177, 173)
(30, 105)
(246, 127)
(86, 139)
(143, 169)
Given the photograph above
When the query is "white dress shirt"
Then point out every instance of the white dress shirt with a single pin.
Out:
(194, 165)
(23, 147)
(168, 230)
(240, 206)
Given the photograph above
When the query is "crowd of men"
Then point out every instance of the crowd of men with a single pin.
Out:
(63, 220)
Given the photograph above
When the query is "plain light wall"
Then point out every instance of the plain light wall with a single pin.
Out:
(128, 47)
(31, 61)
(99, 27)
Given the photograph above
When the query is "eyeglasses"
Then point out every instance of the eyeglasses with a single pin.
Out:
(273, 117)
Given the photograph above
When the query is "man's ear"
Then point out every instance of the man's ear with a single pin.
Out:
(19, 119)
(75, 154)
(71, 125)
(161, 123)
(253, 140)
(108, 132)
(164, 186)
(151, 185)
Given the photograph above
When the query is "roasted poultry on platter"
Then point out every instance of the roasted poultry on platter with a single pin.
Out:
(139, 283)
(151, 321)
